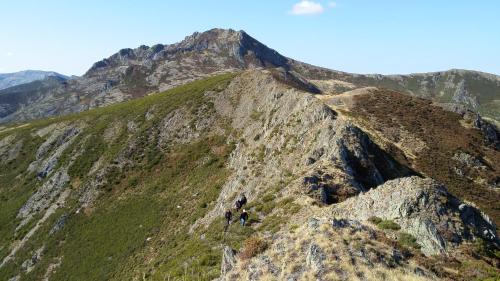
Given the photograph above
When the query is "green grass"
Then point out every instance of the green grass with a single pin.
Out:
(139, 200)
(96, 245)
(384, 224)
(388, 225)
(408, 240)
(375, 220)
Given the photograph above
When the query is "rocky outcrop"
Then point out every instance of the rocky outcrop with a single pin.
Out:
(9, 148)
(321, 250)
(43, 197)
(296, 159)
(424, 209)
(228, 260)
(60, 139)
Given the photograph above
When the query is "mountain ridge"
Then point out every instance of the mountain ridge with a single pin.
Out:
(132, 73)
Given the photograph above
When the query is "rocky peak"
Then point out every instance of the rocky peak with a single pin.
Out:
(225, 43)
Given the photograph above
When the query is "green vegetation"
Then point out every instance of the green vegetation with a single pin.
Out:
(147, 203)
(482, 248)
(384, 224)
(408, 240)
(375, 220)
(388, 224)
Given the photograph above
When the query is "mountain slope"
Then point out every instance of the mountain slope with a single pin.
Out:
(13, 98)
(475, 90)
(133, 73)
(137, 190)
(8, 80)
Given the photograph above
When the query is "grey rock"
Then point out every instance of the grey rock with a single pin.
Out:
(228, 260)
(29, 264)
(424, 209)
(15, 278)
(59, 224)
(43, 197)
(315, 257)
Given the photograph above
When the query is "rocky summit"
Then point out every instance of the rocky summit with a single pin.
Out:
(344, 176)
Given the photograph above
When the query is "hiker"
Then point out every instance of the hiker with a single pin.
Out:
(240, 202)
(243, 217)
(237, 205)
(243, 200)
(228, 215)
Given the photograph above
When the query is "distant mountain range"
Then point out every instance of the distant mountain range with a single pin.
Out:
(8, 80)
(133, 73)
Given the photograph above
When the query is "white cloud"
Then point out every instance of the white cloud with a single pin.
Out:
(332, 4)
(306, 7)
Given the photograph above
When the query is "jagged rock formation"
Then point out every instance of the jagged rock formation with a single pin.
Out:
(467, 162)
(133, 73)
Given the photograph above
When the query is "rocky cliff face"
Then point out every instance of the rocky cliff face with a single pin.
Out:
(148, 181)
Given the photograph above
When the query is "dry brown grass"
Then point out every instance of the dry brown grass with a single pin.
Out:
(252, 247)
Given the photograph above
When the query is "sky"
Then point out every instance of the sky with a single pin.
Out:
(385, 36)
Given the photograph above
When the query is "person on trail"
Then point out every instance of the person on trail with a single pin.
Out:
(243, 217)
(240, 202)
(243, 200)
(237, 205)
(228, 215)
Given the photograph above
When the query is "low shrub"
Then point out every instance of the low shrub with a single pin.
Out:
(375, 220)
(408, 240)
(388, 224)
(252, 247)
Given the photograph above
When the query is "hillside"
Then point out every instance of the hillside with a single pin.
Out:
(137, 190)
(134, 73)
(8, 80)
(474, 90)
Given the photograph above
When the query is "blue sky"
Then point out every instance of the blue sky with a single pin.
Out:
(396, 36)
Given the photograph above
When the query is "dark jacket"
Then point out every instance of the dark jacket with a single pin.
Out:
(244, 215)
(237, 205)
(228, 215)
(243, 200)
